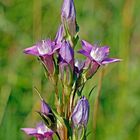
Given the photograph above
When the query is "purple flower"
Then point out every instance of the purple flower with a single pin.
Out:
(41, 132)
(45, 50)
(80, 113)
(68, 15)
(97, 54)
(42, 48)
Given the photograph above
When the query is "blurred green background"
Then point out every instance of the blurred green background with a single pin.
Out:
(112, 22)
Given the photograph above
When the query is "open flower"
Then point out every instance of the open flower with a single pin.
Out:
(45, 50)
(68, 16)
(42, 48)
(80, 113)
(96, 56)
(41, 132)
(96, 53)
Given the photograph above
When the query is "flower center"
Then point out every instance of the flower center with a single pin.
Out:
(44, 48)
(97, 54)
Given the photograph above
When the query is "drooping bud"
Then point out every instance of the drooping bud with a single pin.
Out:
(80, 113)
(48, 116)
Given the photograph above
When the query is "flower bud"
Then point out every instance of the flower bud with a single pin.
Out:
(80, 113)
(66, 64)
(68, 16)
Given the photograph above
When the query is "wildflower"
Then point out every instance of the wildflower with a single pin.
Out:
(68, 16)
(80, 113)
(96, 56)
(44, 50)
(41, 132)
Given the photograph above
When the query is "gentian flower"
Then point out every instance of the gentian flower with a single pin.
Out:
(96, 56)
(41, 132)
(80, 113)
(45, 50)
(68, 16)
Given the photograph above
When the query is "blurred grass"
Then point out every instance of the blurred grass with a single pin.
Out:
(113, 23)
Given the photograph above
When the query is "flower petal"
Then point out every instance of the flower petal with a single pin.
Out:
(32, 50)
(29, 131)
(85, 53)
(59, 35)
(86, 46)
(66, 52)
(45, 108)
(110, 60)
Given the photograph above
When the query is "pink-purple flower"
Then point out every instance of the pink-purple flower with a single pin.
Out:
(96, 53)
(42, 48)
(45, 50)
(96, 56)
(41, 132)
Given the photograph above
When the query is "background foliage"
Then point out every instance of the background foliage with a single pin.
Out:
(114, 23)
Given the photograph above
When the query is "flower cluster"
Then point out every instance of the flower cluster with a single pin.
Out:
(70, 117)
